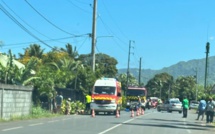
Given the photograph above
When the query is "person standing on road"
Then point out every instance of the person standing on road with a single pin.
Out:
(59, 101)
(210, 108)
(201, 108)
(88, 101)
(185, 106)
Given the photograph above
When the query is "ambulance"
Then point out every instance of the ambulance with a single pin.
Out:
(106, 96)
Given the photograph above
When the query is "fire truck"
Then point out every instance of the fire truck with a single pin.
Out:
(106, 96)
(132, 94)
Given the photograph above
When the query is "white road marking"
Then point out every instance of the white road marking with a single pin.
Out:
(185, 125)
(115, 126)
(12, 128)
(35, 124)
(103, 132)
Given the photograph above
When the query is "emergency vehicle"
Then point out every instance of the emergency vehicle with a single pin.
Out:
(106, 96)
(132, 94)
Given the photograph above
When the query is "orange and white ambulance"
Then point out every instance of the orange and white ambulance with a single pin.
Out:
(106, 96)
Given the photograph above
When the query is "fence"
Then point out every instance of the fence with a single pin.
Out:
(15, 101)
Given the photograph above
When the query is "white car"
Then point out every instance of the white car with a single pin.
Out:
(170, 105)
(194, 104)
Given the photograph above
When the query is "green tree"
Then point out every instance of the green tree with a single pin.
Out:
(123, 79)
(73, 53)
(185, 86)
(106, 65)
(160, 85)
(10, 72)
(34, 50)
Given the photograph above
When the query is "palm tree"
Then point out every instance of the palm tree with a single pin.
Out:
(34, 50)
(72, 53)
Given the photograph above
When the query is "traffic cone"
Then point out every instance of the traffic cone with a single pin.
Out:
(93, 113)
(142, 112)
(132, 113)
(117, 114)
(137, 113)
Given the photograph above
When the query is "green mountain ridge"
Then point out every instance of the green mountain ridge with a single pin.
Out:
(182, 68)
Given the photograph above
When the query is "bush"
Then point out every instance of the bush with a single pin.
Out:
(76, 107)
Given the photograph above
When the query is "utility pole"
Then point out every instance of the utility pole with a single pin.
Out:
(94, 35)
(206, 64)
(128, 73)
(140, 72)
(196, 83)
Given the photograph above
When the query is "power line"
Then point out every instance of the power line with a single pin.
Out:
(82, 44)
(26, 22)
(21, 26)
(79, 7)
(114, 21)
(30, 42)
(47, 19)
(110, 31)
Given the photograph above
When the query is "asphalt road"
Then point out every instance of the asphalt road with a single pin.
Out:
(152, 122)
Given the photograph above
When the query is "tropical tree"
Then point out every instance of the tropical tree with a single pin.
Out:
(123, 79)
(73, 53)
(186, 86)
(10, 72)
(160, 85)
(54, 56)
(34, 50)
(106, 65)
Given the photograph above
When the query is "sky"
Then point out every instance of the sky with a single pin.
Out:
(162, 32)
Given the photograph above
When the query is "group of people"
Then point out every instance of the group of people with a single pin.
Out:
(207, 108)
(204, 107)
(58, 102)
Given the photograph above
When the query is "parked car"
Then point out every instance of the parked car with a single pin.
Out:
(194, 104)
(170, 105)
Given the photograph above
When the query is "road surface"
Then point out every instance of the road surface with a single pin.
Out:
(152, 122)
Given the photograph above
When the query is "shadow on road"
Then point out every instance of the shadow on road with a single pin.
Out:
(179, 124)
(171, 126)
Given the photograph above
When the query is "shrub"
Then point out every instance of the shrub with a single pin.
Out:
(76, 107)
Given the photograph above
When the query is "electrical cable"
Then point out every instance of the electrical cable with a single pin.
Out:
(27, 23)
(78, 7)
(21, 26)
(47, 19)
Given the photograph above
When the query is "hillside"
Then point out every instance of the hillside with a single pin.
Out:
(180, 69)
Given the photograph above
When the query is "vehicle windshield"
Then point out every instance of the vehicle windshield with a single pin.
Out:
(134, 92)
(104, 90)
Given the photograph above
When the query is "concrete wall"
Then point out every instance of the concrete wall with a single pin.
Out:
(15, 101)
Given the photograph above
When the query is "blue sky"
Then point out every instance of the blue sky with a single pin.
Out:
(164, 32)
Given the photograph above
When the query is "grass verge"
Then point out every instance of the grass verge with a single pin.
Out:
(37, 112)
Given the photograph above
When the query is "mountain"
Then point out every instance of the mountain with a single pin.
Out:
(189, 68)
